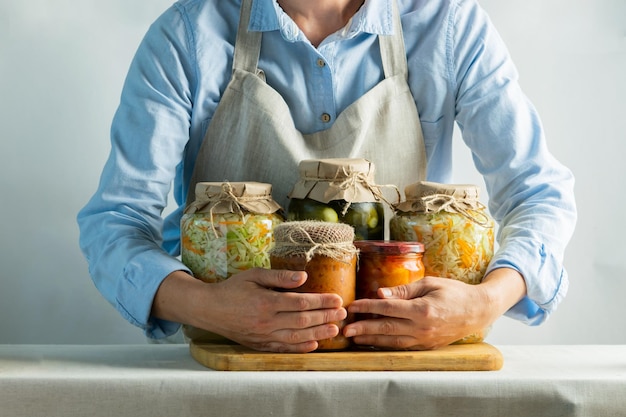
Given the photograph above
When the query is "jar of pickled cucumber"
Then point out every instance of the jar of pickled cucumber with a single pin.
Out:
(327, 253)
(386, 264)
(339, 191)
(455, 228)
(228, 229)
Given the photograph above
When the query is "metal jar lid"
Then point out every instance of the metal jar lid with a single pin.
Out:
(388, 247)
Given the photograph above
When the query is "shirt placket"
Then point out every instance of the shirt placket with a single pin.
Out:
(322, 90)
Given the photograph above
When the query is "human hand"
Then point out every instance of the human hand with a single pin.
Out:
(427, 314)
(246, 309)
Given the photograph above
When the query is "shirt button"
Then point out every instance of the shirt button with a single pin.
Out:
(325, 117)
(320, 62)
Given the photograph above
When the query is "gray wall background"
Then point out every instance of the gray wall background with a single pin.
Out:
(62, 64)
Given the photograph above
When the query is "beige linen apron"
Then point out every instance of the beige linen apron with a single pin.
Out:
(252, 136)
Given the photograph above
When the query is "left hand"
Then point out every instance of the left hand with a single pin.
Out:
(433, 312)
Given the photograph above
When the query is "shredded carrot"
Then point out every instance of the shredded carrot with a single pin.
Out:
(189, 245)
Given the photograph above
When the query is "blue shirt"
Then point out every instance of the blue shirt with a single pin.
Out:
(459, 71)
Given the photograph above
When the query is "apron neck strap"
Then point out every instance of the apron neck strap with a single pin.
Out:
(392, 47)
(248, 44)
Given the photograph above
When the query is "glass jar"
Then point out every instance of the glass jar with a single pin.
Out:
(386, 264)
(228, 229)
(327, 253)
(339, 191)
(455, 228)
(367, 219)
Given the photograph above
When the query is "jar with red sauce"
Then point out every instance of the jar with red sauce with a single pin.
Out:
(387, 264)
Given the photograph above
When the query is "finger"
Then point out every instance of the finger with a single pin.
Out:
(271, 278)
(304, 340)
(317, 333)
(384, 326)
(309, 319)
(384, 307)
(393, 333)
(383, 332)
(300, 301)
(409, 291)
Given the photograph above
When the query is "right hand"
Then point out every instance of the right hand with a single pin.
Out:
(245, 308)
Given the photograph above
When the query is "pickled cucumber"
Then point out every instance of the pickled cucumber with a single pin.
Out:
(311, 210)
(366, 218)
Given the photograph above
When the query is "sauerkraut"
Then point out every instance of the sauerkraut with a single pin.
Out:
(455, 245)
(230, 244)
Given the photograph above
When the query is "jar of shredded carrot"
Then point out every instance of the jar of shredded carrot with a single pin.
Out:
(455, 228)
(228, 229)
(326, 252)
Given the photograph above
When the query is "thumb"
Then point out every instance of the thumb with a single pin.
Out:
(403, 292)
(271, 278)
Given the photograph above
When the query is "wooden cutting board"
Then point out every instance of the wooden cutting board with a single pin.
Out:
(233, 357)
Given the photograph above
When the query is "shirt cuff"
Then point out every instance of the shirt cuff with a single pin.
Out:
(546, 279)
(139, 284)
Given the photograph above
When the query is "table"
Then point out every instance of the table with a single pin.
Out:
(163, 380)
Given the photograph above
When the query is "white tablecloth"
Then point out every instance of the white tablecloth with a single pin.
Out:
(163, 380)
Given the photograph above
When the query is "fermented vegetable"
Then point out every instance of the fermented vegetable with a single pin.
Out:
(455, 246)
(228, 229)
(340, 190)
(455, 229)
(367, 218)
(230, 244)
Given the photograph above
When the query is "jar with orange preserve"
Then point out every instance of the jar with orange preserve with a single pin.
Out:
(455, 228)
(387, 264)
(326, 252)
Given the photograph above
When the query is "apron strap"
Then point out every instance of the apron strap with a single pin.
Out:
(392, 47)
(248, 44)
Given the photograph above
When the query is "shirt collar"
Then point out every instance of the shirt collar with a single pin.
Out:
(375, 17)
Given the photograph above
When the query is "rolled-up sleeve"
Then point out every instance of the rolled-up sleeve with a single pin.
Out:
(531, 194)
(121, 226)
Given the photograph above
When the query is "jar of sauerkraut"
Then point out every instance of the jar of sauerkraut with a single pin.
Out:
(455, 228)
(327, 253)
(228, 229)
(339, 191)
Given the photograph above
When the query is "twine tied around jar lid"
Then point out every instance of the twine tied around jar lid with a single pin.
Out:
(353, 180)
(235, 197)
(348, 179)
(430, 197)
(310, 238)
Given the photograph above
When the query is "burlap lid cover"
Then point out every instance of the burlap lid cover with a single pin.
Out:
(232, 197)
(324, 180)
(309, 238)
(432, 197)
